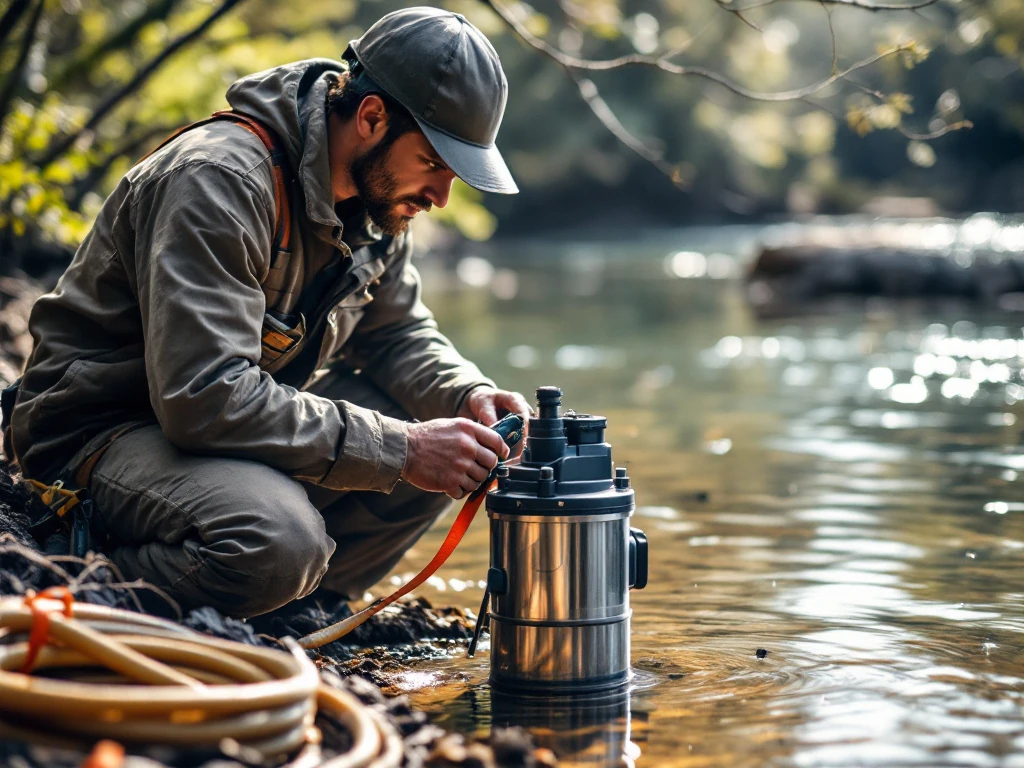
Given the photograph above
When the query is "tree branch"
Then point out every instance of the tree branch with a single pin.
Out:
(957, 126)
(661, 63)
(11, 17)
(123, 37)
(832, 37)
(64, 144)
(880, 98)
(739, 14)
(592, 97)
(862, 4)
(14, 76)
(682, 48)
(609, 120)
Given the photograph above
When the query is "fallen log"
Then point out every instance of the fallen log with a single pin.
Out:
(978, 261)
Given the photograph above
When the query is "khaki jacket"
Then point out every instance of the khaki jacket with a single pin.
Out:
(159, 317)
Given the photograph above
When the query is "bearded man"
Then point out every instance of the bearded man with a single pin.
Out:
(234, 363)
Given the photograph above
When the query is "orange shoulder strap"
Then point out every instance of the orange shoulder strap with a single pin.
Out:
(278, 157)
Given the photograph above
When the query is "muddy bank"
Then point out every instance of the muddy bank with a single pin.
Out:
(365, 662)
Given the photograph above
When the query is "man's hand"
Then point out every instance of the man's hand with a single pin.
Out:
(451, 455)
(485, 404)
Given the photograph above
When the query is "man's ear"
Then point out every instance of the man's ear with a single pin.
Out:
(371, 118)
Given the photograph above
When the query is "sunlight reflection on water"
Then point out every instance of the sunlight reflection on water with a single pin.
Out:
(840, 491)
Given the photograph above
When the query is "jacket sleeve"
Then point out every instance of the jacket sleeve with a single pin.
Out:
(202, 244)
(398, 344)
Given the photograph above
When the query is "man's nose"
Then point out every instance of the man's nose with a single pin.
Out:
(438, 192)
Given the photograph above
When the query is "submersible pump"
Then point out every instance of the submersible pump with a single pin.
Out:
(563, 559)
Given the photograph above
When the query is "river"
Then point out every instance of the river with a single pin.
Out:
(840, 490)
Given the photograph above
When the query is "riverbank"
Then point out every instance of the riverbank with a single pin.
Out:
(364, 666)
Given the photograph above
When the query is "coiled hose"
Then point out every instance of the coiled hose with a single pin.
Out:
(189, 690)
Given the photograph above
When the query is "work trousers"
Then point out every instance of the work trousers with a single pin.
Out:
(243, 537)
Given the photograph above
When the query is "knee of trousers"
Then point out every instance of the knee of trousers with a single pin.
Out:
(277, 555)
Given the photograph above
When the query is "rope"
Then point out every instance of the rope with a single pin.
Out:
(510, 428)
(189, 689)
(451, 541)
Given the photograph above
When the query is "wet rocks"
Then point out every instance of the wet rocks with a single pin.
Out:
(406, 624)
(396, 634)
(16, 500)
(505, 747)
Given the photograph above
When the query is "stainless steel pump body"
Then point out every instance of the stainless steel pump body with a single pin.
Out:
(563, 559)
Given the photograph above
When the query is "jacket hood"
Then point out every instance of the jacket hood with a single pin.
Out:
(291, 101)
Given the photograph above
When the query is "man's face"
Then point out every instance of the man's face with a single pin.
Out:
(398, 179)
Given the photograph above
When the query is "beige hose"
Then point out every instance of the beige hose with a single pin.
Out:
(189, 690)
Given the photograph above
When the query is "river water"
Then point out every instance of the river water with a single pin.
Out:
(840, 490)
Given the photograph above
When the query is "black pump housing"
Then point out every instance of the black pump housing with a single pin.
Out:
(566, 466)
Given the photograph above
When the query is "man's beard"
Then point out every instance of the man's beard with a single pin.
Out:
(376, 187)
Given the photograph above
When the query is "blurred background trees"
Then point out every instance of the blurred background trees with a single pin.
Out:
(87, 87)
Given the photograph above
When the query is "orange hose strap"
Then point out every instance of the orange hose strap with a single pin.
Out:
(451, 541)
(40, 633)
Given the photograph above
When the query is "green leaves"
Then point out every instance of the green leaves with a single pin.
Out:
(33, 198)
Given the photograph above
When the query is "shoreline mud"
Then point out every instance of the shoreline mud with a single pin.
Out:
(381, 649)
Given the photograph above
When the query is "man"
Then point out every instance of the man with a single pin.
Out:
(232, 363)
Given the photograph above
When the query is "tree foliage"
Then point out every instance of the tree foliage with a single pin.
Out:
(747, 97)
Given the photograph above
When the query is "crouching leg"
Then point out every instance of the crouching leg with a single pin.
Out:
(373, 531)
(228, 533)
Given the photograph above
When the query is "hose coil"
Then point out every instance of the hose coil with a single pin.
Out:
(139, 679)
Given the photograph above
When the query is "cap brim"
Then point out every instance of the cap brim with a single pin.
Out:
(481, 167)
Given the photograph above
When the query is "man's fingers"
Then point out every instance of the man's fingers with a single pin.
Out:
(469, 485)
(486, 458)
(515, 402)
(488, 438)
(487, 414)
(477, 473)
(518, 404)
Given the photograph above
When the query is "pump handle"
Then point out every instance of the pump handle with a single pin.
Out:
(637, 559)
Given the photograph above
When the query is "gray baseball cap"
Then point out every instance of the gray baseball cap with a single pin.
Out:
(447, 74)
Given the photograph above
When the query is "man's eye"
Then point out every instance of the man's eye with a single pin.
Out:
(433, 166)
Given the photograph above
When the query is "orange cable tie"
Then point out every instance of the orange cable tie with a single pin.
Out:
(40, 634)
